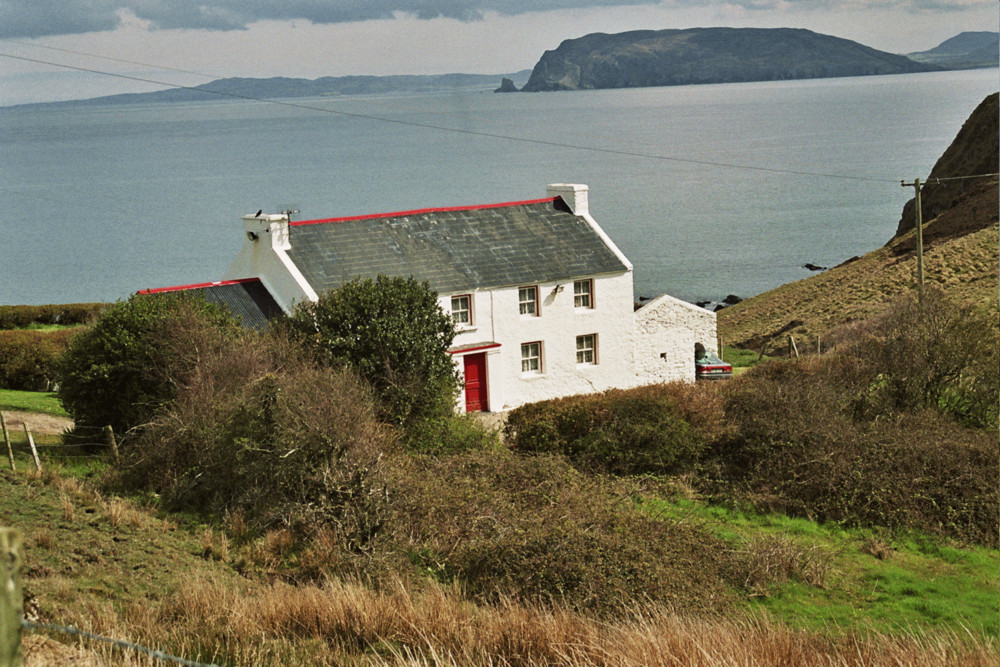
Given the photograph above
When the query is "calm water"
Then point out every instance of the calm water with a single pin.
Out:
(102, 202)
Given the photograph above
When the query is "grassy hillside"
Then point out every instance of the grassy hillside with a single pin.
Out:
(823, 595)
(960, 256)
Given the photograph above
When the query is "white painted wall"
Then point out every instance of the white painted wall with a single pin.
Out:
(666, 332)
(497, 319)
(264, 255)
(653, 344)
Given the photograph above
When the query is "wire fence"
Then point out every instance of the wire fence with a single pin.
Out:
(78, 442)
(121, 643)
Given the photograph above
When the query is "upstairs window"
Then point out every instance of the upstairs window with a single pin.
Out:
(586, 349)
(527, 298)
(583, 293)
(461, 310)
(531, 357)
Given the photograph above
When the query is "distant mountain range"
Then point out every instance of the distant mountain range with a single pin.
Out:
(625, 60)
(283, 87)
(968, 50)
(708, 55)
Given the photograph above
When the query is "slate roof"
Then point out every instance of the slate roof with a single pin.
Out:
(248, 300)
(454, 249)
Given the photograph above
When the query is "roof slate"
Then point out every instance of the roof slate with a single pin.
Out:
(248, 300)
(454, 249)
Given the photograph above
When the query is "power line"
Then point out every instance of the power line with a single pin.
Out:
(442, 128)
(117, 60)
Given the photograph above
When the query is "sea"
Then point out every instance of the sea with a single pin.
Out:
(709, 190)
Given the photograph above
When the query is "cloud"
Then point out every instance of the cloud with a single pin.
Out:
(38, 18)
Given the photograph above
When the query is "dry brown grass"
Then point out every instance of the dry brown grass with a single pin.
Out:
(344, 623)
(965, 267)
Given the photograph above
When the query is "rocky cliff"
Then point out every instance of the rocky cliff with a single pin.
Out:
(707, 55)
(973, 151)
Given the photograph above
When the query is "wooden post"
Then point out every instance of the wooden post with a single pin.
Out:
(109, 433)
(792, 347)
(819, 344)
(11, 602)
(6, 439)
(31, 443)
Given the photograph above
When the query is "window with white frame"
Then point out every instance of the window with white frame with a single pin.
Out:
(586, 349)
(531, 357)
(461, 310)
(527, 298)
(583, 293)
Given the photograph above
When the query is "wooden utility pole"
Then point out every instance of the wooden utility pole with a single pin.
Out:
(11, 603)
(920, 236)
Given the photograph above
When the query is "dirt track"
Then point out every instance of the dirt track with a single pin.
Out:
(37, 421)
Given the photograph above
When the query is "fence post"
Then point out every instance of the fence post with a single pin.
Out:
(110, 435)
(11, 602)
(792, 347)
(6, 439)
(31, 443)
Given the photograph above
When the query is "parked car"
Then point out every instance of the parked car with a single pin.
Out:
(708, 366)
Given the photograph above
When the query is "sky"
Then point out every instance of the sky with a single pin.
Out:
(190, 42)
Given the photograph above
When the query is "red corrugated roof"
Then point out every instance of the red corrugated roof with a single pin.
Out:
(179, 288)
(421, 211)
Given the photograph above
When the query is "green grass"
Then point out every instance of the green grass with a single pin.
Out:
(873, 580)
(31, 401)
(741, 358)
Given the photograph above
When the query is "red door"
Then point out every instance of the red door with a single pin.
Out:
(475, 383)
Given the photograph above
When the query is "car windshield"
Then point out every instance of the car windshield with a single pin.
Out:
(710, 359)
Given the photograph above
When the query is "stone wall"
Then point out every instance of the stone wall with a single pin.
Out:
(666, 330)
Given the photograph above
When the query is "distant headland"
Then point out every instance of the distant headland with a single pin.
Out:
(729, 55)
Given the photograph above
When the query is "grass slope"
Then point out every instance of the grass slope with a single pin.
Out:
(109, 566)
(31, 401)
(960, 255)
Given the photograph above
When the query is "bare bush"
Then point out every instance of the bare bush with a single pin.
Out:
(260, 431)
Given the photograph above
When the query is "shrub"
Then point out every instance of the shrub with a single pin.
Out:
(535, 529)
(450, 435)
(392, 332)
(796, 447)
(622, 432)
(261, 433)
(929, 353)
(29, 359)
(21, 317)
(125, 367)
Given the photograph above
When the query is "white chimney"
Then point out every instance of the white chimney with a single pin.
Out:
(269, 228)
(574, 194)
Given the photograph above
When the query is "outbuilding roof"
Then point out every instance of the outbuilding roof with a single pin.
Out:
(454, 249)
(248, 300)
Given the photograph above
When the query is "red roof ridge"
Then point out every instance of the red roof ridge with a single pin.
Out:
(372, 216)
(179, 288)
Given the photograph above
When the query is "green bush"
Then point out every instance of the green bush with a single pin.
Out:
(449, 435)
(393, 333)
(796, 446)
(21, 317)
(929, 353)
(29, 359)
(125, 367)
(623, 432)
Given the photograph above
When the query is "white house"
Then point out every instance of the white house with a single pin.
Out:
(541, 298)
